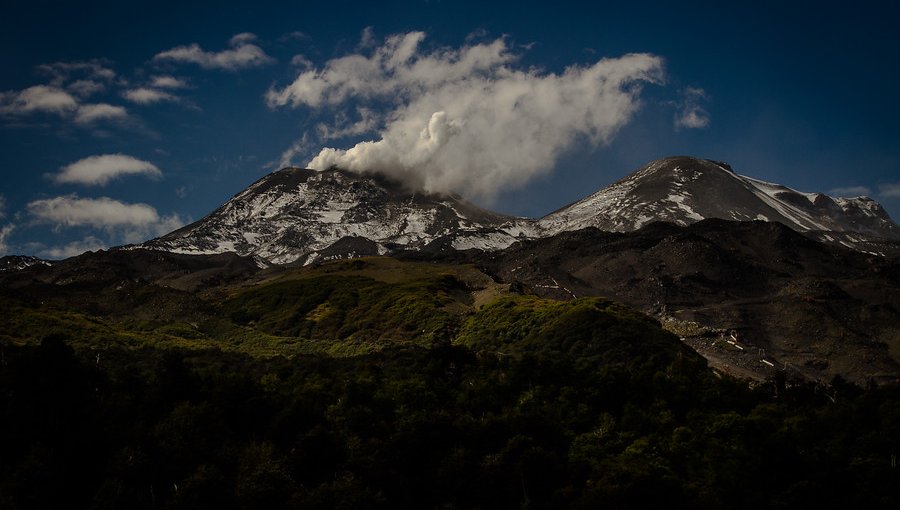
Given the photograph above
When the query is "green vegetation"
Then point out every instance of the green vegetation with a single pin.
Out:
(374, 384)
(343, 309)
(335, 308)
(593, 330)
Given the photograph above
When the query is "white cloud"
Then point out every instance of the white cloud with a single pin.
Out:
(889, 190)
(343, 127)
(103, 212)
(63, 95)
(469, 119)
(99, 170)
(85, 88)
(90, 113)
(241, 39)
(52, 100)
(129, 223)
(851, 191)
(74, 248)
(301, 61)
(61, 72)
(168, 82)
(692, 114)
(38, 99)
(144, 96)
(242, 55)
(367, 38)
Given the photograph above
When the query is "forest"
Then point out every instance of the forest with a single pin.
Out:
(533, 405)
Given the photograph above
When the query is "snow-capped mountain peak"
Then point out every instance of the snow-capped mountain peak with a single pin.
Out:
(299, 215)
(302, 216)
(684, 190)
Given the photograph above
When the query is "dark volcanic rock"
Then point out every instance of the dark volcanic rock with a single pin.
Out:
(18, 262)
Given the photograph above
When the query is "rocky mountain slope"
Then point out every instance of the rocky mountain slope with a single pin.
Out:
(18, 262)
(753, 297)
(302, 216)
(684, 190)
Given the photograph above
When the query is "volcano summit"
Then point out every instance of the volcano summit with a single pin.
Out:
(303, 216)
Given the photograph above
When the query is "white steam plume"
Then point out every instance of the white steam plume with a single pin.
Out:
(468, 120)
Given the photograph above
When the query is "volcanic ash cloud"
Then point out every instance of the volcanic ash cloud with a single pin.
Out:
(467, 120)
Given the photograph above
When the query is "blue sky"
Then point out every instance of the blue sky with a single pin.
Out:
(120, 121)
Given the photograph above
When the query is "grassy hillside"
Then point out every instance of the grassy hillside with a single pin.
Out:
(339, 309)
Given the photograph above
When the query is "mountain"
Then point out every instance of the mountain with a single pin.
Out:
(17, 262)
(684, 190)
(302, 216)
(139, 378)
(297, 216)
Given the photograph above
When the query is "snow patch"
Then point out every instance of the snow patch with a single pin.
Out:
(679, 201)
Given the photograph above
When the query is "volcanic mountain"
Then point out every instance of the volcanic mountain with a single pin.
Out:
(656, 241)
(684, 190)
(303, 216)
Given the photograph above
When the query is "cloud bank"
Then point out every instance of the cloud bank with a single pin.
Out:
(103, 212)
(242, 54)
(38, 99)
(99, 170)
(49, 99)
(91, 70)
(129, 223)
(468, 119)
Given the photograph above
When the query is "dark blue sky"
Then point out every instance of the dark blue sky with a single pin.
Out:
(113, 128)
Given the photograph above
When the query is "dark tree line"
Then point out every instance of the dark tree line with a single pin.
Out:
(444, 427)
